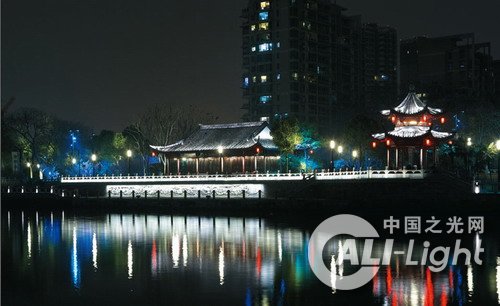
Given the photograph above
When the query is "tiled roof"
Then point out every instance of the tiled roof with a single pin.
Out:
(412, 105)
(228, 136)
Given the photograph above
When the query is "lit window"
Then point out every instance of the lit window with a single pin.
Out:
(264, 99)
(278, 44)
(264, 5)
(254, 79)
(253, 27)
(263, 78)
(253, 49)
(278, 76)
(265, 47)
(263, 15)
(246, 82)
(384, 77)
(264, 26)
(295, 76)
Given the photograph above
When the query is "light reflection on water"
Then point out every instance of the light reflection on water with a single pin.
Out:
(249, 261)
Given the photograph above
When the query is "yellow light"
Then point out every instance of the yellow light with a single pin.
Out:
(28, 164)
(129, 153)
(93, 157)
(38, 166)
(220, 149)
(263, 78)
(264, 5)
(340, 149)
(497, 144)
(332, 144)
(469, 141)
(354, 153)
(73, 160)
(263, 26)
(252, 27)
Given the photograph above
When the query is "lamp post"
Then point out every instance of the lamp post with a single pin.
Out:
(93, 157)
(221, 150)
(354, 156)
(332, 147)
(469, 144)
(497, 145)
(340, 149)
(129, 155)
(40, 173)
(28, 164)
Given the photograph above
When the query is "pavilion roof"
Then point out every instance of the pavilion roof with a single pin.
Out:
(229, 136)
(412, 132)
(412, 105)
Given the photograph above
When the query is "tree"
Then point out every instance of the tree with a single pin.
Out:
(358, 133)
(286, 135)
(32, 132)
(161, 125)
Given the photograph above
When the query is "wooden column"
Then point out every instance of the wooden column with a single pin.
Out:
(197, 165)
(422, 158)
(388, 158)
(255, 162)
(397, 158)
(168, 166)
(265, 164)
(178, 166)
(243, 164)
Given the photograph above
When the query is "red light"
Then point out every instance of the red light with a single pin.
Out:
(450, 142)
(427, 142)
(153, 154)
(393, 118)
(257, 150)
(311, 151)
(425, 118)
(442, 120)
(388, 142)
(374, 144)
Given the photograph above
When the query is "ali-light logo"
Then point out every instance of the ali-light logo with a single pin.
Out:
(436, 258)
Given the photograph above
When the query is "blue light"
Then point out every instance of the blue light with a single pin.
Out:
(263, 15)
(265, 99)
(246, 82)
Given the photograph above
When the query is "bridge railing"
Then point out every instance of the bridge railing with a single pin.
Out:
(323, 175)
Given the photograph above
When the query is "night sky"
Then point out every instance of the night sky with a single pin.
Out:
(102, 62)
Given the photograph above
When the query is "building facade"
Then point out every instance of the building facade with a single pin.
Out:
(447, 67)
(306, 59)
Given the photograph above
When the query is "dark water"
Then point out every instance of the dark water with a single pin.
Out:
(60, 258)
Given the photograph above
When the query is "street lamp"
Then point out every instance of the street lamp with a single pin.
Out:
(73, 161)
(354, 156)
(129, 155)
(332, 147)
(40, 173)
(469, 144)
(28, 164)
(340, 149)
(220, 149)
(93, 157)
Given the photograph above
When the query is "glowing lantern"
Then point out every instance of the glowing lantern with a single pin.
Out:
(450, 142)
(393, 119)
(311, 151)
(257, 150)
(153, 154)
(388, 142)
(442, 120)
(374, 144)
(425, 118)
(427, 142)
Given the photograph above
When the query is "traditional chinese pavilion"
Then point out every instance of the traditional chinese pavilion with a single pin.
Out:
(416, 131)
(222, 148)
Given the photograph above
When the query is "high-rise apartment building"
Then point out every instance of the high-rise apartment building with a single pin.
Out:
(447, 67)
(306, 59)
